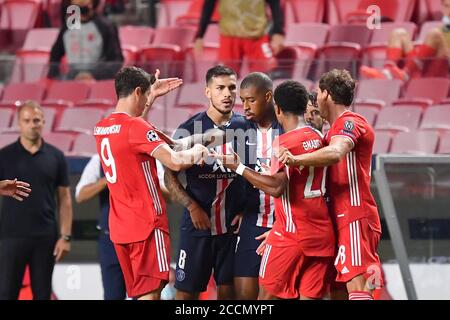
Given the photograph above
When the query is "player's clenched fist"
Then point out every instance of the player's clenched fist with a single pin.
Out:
(200, 153)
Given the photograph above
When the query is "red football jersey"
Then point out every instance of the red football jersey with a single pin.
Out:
(301, 213)
(125, 145)
(349, 180)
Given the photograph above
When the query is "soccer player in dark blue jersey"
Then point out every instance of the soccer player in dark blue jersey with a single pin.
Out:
(256, 93)
(213, 197)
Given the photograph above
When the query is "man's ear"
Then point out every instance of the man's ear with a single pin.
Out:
(208, 92)
(277, 110)
(269, 96)
(138, 91)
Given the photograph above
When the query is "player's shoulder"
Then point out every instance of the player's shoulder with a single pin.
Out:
(349, 119)
(189, 123)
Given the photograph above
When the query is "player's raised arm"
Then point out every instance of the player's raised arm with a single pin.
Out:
(270, 184)
(180, 160)
(327, 156)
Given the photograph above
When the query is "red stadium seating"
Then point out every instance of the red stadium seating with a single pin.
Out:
(84, 145)
(170, 10)
(23, 91)
(30, 65)
(342, 55)
(102, 92)
(416, 142)
(7, 138)
(382, 142)
(79, 119)
(384, 90)
(212, 34)
(192, 95)
(136, 36)
(180, 36)
(40, 39)
(165, 57)
(436, 118)
(195, 67)
(67, 91)
(434, 9)
(435, 89)
(427, 27)
(306, 10)
(359, 34)
(374, 104)
(309, 85)
(367, 112)
(299, 33)
(5, 118)
(399, 119)
(62, 141)
(444, 145)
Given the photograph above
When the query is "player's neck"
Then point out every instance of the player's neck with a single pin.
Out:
(217, 117)
(125, 107)
(268, 120)
(336, 112)
(293, 122)
(32, 146)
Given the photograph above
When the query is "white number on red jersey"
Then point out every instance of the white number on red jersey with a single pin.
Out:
(108, 161)
(308, 193)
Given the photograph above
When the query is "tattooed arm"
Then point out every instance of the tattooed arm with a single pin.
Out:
(199, 217)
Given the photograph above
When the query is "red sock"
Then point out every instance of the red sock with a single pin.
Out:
(360, 295)
(416, 59)
(394, 54)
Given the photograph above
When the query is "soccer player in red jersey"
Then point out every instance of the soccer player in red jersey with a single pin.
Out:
(349, 155)
(128, 147)
(299, 250)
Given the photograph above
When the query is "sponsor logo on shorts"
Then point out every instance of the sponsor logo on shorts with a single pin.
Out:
(180, 275)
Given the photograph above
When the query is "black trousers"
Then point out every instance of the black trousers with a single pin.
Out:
(15, 255)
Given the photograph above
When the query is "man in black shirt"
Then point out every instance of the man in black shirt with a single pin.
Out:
(28, 229)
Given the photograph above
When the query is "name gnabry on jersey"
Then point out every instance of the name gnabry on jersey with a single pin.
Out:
(100, 131)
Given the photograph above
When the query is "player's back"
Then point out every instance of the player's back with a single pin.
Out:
(125, 145)
(301, 212)
(349, 180)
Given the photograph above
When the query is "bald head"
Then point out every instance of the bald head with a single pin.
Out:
(258, 80)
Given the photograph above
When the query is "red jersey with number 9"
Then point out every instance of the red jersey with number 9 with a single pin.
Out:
(125, 145)
(349, 179)
(301, 213)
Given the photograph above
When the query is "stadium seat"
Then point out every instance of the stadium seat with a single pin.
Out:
(49, 116)
(1, 91)
(172, 119)
(299, 33)
(5, 118)
(384, 90)
(79, 119)
(191, 17)
(192, 95)
(399, 119)
(382, 142)
(212, 35)
(367, 112)
(444, 145)
(306, 10)
(136, 36)
(84, 145)
(435, 89)
(374, 104)
(434, 9)
(62, 141)
(170, 10)
(102, 92)
(359, 34)
(341, 55)
(436, 118)
(17, 17)
(130, 55)
(30, 65)
(40, 39)
(67, 91)
(426, 27)
(195, 67)
(309, 85)
(22, 92)
(8, 138)
(416, 142)
(180, 36)
(165, 57)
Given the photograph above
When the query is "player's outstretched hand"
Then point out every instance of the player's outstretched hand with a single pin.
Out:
(230, 160)
(162, 86)
(237, 220)
(285, 156)
(262, 246)
(14, 188)
(199, 218)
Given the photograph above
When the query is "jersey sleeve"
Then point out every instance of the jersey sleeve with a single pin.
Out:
(275, 164)
(347, 127)
(143, 138)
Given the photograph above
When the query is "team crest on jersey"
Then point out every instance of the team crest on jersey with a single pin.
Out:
(180, 275)
(348, 125)
(152, 136)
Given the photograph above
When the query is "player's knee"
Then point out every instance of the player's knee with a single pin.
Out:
(400, 34)
(434, 37)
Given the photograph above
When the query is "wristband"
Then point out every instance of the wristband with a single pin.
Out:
(240, 169)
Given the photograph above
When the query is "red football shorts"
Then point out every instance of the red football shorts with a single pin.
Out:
(357, 253)
(257, 52)
(145, 264)
(286, 273)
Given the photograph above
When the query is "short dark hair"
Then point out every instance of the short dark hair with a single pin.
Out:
(291, 97)
(129, 78)
(340, 85)
(218, 71)
(259, 80)
(312, 97)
